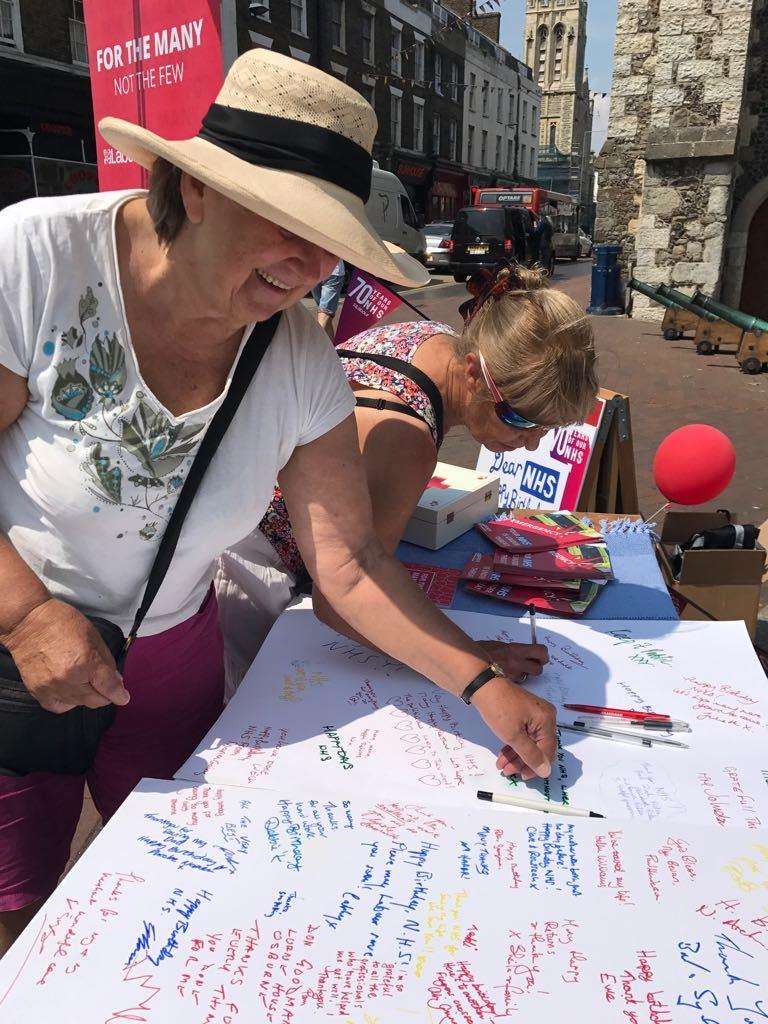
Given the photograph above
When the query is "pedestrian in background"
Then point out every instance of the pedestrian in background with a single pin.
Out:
(326, 295)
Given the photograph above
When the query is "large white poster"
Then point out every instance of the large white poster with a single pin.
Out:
(210, 905)
(317, 707)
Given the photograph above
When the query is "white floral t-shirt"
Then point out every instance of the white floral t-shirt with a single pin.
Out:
(91, 470)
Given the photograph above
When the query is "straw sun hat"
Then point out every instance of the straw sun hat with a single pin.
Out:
(292, 144)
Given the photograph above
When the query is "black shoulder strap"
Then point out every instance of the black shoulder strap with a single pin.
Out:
(426, 384)
(247, 365)
(382, 403)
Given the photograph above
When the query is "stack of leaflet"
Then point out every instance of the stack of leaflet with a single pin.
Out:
(553, 561)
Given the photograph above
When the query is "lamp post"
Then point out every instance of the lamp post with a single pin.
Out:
(29, 135)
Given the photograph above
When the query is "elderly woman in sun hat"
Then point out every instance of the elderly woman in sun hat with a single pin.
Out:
(121, 318)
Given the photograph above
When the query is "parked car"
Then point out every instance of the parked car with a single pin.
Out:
(484, 236)
(438, 237)
(585, 243)
(390, 211)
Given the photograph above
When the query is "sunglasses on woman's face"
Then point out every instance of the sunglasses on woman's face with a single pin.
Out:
(509, 416)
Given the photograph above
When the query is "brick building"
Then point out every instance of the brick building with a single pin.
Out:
(684, 172)
(46, 120)
(407, 59)
(501, 111)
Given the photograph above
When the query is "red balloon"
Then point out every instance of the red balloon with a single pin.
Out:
(694, 464)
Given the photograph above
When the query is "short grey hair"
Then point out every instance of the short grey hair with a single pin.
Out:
(165, 202)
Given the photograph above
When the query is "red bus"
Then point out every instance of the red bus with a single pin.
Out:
(561, 210)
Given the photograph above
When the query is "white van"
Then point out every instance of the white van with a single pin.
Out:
(390, 211)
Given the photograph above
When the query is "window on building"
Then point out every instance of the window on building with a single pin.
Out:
(418, 60)
(511, 117)
(470, 143)
(366, 34)
(77, 44)
(558, 61)
(567, 67)
(497, 161)
(499, 104)
(524, 125)
(438, 73)
(453, 134)
(10, 25)
(454, 81)
(436, 135)
(337, 25)
(553, 135)
(472, 89)
(367, 91)
(523, 158)
(395, 119)
(510, 156)
(418, 126)
(542, 51)
(396, 63)
(439, 12)
(299, 16)
(483, 148)
(486, 92)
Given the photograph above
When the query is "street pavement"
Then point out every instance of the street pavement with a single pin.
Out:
(668, 385)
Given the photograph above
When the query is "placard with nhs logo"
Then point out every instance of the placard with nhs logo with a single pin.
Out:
(552, 476)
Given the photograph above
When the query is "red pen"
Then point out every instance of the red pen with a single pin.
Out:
(638, 716)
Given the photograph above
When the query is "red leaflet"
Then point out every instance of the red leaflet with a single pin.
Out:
(480, 568)
(585, 561)
(544, 531)
(438, 584)
(542, 600)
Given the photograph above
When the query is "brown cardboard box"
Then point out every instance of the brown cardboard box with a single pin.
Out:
(725, 583)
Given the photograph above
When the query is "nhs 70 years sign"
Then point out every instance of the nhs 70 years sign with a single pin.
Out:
(551, 477)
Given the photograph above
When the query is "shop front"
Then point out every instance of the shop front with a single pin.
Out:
(47, 139)
(449, 192)
(417, 178)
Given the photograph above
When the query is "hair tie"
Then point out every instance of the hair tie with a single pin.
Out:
(486, 285)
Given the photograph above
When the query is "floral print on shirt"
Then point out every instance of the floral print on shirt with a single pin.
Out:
(400, 341)
(133, 455)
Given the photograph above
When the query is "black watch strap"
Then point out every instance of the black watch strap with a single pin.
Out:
(480, 680)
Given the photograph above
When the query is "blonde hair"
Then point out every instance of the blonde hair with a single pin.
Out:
(538, 345)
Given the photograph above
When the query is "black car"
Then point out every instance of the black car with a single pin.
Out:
(484, 236)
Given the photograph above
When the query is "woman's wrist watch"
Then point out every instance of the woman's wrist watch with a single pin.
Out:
(492, 672)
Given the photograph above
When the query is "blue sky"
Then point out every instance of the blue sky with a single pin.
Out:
(601, 28)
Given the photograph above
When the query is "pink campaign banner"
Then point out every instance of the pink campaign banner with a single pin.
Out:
(154, 63)
(367, 301)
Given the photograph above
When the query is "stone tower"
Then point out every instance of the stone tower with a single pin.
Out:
(683, 170)
(554, 46)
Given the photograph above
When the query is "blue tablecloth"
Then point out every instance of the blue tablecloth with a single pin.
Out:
(637, 592)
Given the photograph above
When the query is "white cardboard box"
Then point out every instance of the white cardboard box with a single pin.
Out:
(453, 502)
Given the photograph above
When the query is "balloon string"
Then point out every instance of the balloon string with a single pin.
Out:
(658, 511)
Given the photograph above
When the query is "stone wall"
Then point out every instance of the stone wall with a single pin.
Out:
(672, 137)
(621, 164)
(751, 186)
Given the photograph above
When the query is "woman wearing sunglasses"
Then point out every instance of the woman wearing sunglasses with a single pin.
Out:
(523, 364)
